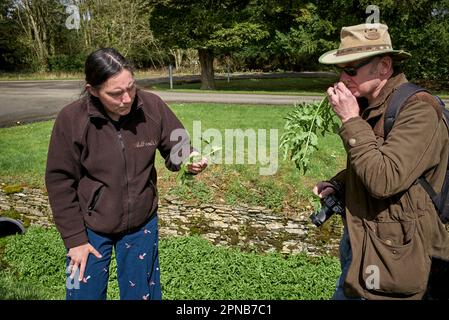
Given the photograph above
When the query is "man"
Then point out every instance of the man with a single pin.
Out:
(391, 228)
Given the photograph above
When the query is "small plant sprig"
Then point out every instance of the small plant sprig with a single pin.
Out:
(184, 176)
(301, 129)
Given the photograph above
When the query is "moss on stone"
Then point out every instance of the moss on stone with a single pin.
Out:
(199, 225)
(330, 230)
(10, 189)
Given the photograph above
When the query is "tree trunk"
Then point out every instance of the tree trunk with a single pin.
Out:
(177, 54)
(38, 37)
(207, 69)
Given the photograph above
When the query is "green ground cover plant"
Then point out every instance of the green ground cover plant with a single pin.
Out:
(32, 267)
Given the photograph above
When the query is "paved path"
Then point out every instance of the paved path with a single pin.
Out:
(264, 99)
(25, 101)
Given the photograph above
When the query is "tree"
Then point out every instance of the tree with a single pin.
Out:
(298, 45)
(38, 20)
(420, 27)
(57, 35)
(9, 46)
(124, 26)
(211, 27)
(301, 30)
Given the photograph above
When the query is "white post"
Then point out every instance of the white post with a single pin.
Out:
(170, 75)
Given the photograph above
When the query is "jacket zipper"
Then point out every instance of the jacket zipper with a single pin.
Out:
(122, 144)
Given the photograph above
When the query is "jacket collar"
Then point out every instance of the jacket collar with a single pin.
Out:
(95, 108)
(377, 107)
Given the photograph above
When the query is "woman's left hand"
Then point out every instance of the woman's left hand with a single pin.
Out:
(197, 167)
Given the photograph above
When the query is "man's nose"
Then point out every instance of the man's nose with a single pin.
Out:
(344, 76)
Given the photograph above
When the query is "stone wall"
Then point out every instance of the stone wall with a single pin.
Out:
(248, 228)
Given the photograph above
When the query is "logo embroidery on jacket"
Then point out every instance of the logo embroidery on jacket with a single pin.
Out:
(142, 144)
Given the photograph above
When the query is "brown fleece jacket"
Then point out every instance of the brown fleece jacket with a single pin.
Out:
(102, 176)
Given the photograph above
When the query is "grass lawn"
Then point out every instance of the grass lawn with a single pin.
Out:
(282, 86)
(24, 150)
(291, 86)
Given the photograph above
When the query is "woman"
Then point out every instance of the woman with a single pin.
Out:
(101, 179)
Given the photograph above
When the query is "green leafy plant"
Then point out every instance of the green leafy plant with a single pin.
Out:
(301, 129)
(184, 176)
(32, 266)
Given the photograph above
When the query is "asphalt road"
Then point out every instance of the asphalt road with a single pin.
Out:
(27, 101)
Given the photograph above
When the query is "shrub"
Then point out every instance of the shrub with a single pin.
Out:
(62, 62)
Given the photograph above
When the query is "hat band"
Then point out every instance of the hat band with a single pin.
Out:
(343, 52)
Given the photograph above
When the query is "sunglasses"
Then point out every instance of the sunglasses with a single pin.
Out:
(352, 70)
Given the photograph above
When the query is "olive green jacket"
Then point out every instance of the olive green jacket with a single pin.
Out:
(392, 223)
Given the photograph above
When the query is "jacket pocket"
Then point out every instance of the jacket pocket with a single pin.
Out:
(394, 258)
(89, 191)
(94, 198)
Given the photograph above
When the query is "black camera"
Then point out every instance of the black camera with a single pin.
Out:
(329, 205)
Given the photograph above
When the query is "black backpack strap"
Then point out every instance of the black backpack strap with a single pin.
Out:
(396, 101)
(429, 189)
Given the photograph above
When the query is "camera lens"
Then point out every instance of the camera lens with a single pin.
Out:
(320, 217)
(330, 205)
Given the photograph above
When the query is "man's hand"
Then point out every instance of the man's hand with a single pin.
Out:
(343, 102)
(78, 259)
(323, 189)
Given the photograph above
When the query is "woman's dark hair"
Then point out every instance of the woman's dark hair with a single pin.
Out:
(104, 63)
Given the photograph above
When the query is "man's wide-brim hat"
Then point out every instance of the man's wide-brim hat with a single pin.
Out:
(363, 41)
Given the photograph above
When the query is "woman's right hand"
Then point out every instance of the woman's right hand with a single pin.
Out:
(323, 189)
(78, 259)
